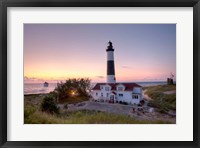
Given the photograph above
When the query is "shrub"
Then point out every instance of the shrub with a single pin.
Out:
(73, 88)
(142, 102)
(66, 106)
(125, 103)
(153, 103)
(49, 105)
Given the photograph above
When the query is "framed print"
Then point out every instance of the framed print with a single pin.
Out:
(85, 73)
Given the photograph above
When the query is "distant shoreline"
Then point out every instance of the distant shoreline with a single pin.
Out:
(37, 88)
(103, 82)
(36, 94)
(45, 93)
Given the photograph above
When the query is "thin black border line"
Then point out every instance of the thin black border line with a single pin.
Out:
(4, 75)
(196, 30)
(100, 3)
(1, 65)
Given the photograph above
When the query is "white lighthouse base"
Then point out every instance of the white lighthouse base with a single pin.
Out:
(111, 79)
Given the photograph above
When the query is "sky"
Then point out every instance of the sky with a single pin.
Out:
(56, 52)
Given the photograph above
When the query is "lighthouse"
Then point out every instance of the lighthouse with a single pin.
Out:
(113, 92)
(110, 64)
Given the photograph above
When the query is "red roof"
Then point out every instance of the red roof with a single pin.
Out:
(128, 86)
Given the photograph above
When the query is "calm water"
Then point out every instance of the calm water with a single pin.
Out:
(38, 88)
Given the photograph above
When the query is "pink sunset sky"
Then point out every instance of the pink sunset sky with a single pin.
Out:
(56, 52)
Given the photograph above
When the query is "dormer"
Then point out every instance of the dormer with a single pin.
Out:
(137, 90)
(120, 87)
(107, 87)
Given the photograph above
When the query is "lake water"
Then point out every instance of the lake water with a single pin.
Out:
(38, 88)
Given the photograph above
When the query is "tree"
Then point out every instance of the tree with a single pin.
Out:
(73, 87)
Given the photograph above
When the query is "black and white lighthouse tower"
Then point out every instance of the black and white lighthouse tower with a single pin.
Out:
(110, 64)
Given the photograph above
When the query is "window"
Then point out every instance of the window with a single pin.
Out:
(102, 94)
(96, 94)
(107, 88)
(107, 94)
(134, 96)
(120, 88)
(120, 95)
(101, 87)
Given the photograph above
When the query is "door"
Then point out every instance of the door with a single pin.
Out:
(111, 97)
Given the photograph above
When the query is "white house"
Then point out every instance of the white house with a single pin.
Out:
(130, 93)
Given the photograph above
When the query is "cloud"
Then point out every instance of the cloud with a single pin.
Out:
(127, 67)
(101, 77)
(30, 78)
(26, 78)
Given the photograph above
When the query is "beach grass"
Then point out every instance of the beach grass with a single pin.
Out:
(160, 88)
(34, 116)
(37, 98)
(164, 102)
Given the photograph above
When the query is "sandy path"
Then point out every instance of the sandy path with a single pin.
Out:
(170, 92)
(145, 96)
(107, 107)
(120, 109)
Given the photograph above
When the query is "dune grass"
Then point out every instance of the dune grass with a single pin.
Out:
(37, 98)
(164, 102)
(161, 88)
(34, 116)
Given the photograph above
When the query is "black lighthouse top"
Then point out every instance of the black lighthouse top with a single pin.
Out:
(110, 47)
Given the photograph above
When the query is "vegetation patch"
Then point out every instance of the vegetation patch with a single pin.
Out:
(49, 105)
(72, 91)
(85, 117)
(164, 102)
(160, 88)
(42, 108)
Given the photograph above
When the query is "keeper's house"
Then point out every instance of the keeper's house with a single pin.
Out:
(130, 93)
